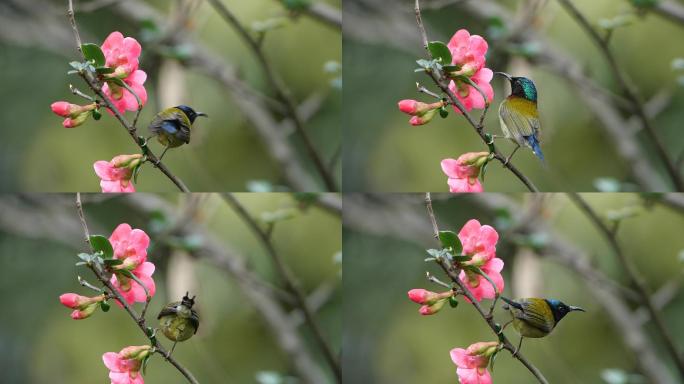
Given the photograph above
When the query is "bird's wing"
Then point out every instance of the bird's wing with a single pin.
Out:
(520, 119)
(194, 319)
(170, 309)
(537, 313)
(174, 122)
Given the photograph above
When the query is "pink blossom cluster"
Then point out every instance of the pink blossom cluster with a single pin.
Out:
(472, 362)
(115, 175)
(130, 245)
(463, 173)
(124, 366)
(468, 54)
(123, 54)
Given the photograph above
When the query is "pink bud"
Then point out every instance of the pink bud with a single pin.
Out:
(409, 106)
(61, 108)
(432, 309)
(81, 314)
(420, 296)
(423, 118)
(126, 161)
(70, 300)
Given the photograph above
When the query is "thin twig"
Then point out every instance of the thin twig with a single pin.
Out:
(290, 281)
(629, 92)
(635, 277)
(113, 292)
(443, 84)
(322, 12)
(281, 91)
(131, 129)
(453, 275)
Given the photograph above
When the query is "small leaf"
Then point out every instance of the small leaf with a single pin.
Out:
(483, 171)
(116, 81)
(92, 52)
(102, 244)
(112, 262)
(440, 52)
(125, 272)
(453, 302)
(144, 364)
(461, 258)
(85, 257)
(104, 70)
(104, 306)
(72, 72)
(96, 114)
(443, 112)
(449, 239)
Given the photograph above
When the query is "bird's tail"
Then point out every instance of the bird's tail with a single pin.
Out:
(536, 148)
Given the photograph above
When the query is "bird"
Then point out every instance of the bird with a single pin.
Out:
(519, 117)
(172, 126)
(535, 317)
(178, 321)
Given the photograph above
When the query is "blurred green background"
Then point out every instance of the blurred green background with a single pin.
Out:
(225, 154)
(385, 339)
(384, 153)
(40, 343)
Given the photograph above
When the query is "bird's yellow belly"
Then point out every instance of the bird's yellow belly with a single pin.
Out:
(527, 330)
(176, 328)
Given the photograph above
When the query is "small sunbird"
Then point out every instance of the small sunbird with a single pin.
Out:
(535, 317)
(519, 117)
(178, 321)
(172, 126)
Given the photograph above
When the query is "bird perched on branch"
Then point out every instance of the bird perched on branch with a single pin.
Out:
(519, 116)
(178, 320)
(172, 126)
(535, 317)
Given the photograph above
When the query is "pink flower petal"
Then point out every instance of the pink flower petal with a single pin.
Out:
(112, 361)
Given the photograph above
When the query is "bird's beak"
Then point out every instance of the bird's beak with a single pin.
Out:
(576, 309)
(504, 74)
(201, 114)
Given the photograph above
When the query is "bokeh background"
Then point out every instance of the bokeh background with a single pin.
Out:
(381, 43)
(40, 236)
(226, 152)
(385, 237)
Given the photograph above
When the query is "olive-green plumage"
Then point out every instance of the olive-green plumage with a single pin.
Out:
(518, 115)
(535, 317)
(178, 321)
(172, 126)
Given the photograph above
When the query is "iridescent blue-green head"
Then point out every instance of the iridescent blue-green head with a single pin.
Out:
(521, 86)
(191, 113)
(561, 309)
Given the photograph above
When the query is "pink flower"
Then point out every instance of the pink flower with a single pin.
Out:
(468, 54)
(122, 99)
(479, 242)
(130, 245)
(472, 362)
(61, 108)
(463, 172)
(115, 175)
(83, 306)
(121, 53)
(124, 367)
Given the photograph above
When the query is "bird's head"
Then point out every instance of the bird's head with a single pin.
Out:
(187, 301)
(561, 309)
(521, 86)
(191, 113)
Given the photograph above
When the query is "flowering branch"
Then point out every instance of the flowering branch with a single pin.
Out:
(443, 83)
(282, 93)
(130, 128)
(291, 283)
(453, 274)
(629, 92)
(632, 273)
(114, 293)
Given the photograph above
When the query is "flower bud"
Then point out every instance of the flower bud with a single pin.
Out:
(423, 296)
(417, 108)
(76, 121)
(433, 308)
(66, 109)
(74, 301)
(84, 313)
(135, 352)
(424, 118)
(127, 161)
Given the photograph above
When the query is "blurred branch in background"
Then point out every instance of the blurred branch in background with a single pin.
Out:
(291, 283)
(630, 93)
(50, 217)
(632, 273)
(401, 216)
(317, 10)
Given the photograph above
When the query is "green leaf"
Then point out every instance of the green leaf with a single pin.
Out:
(102, 244)
(461, 258)
(126, 273)
(144, 364)
(116, 81)
(81, 263)
(449, 239)
(85, 257)
(440, 52)
(104, 306)
(453, 302)
(92, 52)
(104, 70)
(644, 3)
(112, 262)
(96, 114)
(297, 5)
(443, 112)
